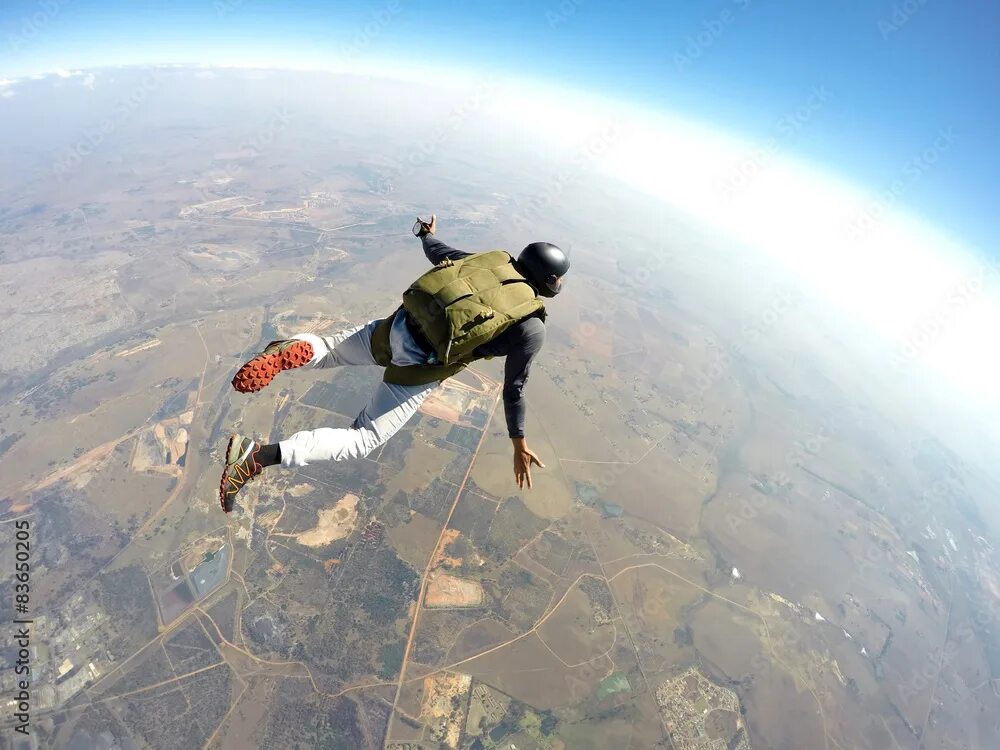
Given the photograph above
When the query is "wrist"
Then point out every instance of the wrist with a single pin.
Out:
(519, 443)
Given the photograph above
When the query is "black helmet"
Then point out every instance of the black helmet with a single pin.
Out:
(543, 264)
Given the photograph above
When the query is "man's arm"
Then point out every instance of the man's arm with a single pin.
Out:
(523, 342)
(530, 335)
(435, 250)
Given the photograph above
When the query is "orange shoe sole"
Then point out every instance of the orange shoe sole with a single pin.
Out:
(260, 371)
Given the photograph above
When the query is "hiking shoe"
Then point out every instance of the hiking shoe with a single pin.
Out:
(241, 467)
(278, 356)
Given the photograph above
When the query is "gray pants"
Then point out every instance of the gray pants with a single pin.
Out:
(390, 407)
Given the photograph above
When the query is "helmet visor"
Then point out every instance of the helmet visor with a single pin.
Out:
(553, 285)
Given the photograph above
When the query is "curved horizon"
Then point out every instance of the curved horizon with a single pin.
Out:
(847, 243)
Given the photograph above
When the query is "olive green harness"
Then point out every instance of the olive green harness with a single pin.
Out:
(457, 306)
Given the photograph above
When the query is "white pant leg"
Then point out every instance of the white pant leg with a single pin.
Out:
(350, 347)
(390, 408)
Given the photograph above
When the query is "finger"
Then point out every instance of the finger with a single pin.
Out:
(527, 475)
(537, 461)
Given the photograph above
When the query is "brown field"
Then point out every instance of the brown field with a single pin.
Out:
(411, 702)
(122, 495)
(403, 732)
(549, 497)
(414, 540)
(102, 411)
(537, 569)
(528, 671)
(423, 464)
(637, 726)
(333, 524)
(450, 401)
(444, 590)
(257, 411)
(571, 633)
(445, 703)
(196, 552)
(300, 490)
(154, 342)
(610, 545)
(579, 437)
(239, 730)
(651, 600)
(479, 637)
(779, 713)
(592, 341)
(731, 639)
(160, 448)
(694, 571)
(654, 488)
(448, 536)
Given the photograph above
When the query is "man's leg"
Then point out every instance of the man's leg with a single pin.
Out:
(350, 347)
(390, 408)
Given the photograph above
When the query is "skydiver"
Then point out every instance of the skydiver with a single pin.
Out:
(494, 306)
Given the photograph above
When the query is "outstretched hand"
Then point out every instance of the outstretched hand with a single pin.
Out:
(427, 227)
(524, 457)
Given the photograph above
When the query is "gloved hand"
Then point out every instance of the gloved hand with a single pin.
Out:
(423, 228)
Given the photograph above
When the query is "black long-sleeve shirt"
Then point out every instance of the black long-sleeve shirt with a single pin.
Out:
(519, 344)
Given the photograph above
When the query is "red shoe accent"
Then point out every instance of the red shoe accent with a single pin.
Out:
(260, 371)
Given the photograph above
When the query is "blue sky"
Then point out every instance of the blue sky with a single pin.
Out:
(896, 74)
